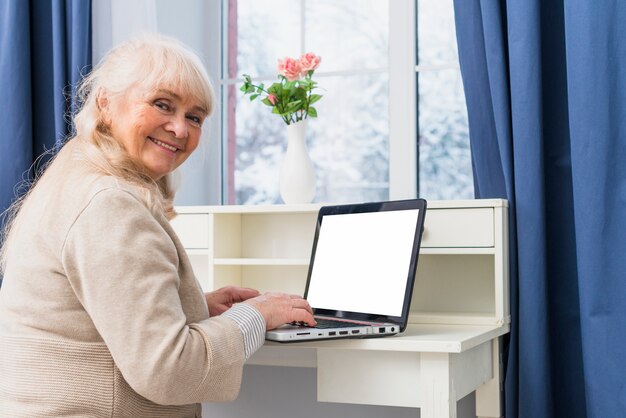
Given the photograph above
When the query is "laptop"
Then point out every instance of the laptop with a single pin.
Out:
(362, 271)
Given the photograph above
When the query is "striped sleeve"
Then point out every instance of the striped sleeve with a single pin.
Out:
(252, 325)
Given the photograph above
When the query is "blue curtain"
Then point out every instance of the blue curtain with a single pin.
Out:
(45, 46)
(545, 83)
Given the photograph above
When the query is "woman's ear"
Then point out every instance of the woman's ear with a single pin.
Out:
(104, 106)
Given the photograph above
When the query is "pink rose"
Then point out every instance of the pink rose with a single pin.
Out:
(289, 68)
(272, 99)
(308, 62)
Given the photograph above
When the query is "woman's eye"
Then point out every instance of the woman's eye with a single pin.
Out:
(162, 105)
(195, 119)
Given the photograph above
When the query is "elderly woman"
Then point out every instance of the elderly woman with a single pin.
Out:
(100, 312)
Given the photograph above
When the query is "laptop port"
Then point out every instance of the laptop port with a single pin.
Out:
(332, 333)
(343, 332)
(355, 331)
(303, 333)
(381, 330)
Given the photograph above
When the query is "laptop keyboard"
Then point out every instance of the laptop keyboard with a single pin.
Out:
(329, 323)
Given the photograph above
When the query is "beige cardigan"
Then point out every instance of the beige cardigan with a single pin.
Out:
(100, 312)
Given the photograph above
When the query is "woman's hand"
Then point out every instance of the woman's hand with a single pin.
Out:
(280, 308)
(221, 300)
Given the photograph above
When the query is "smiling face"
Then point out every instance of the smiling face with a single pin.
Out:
(159, 129)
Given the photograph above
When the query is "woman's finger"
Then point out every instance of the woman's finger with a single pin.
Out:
(302, 304)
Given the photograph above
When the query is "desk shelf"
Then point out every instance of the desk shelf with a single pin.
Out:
(261, 261)
(457, 250)
(462, 270)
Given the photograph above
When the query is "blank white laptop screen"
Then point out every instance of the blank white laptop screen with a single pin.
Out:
(362, 262)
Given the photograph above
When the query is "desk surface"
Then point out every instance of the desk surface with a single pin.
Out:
(435, 338)
(425, 338)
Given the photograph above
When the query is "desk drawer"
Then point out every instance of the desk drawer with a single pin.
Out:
(463, 227)
(192, 229)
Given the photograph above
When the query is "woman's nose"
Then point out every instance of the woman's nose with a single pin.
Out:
(177, 125)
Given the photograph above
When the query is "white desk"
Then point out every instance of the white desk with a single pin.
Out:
(459, 310)
(428, 366)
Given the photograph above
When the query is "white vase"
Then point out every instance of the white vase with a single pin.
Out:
(297, 175)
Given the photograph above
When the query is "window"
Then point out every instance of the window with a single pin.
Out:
(364, 141)
(445, 170)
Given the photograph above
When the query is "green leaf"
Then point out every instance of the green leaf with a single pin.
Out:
(290, 85)
(266, 102)
(293, 106)
(300, 93)
(312, 112)
(276, 89)
(254, 96)
(314, 98)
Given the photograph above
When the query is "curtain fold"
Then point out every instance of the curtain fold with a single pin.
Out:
(15, 83)
(596, 72)
(45, 46)
(544, 83)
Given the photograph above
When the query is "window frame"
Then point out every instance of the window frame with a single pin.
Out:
(403, 111)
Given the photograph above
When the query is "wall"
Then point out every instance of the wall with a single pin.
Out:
(199, 177)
